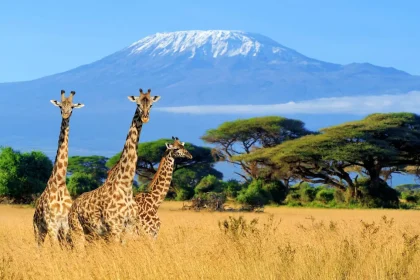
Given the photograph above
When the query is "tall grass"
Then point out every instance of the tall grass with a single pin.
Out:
(282, 244)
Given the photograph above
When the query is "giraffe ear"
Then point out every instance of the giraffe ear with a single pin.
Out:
(155, 98)
(169, 146)
(78, 105)
(182, 143)
(131, 98)
(55, 103)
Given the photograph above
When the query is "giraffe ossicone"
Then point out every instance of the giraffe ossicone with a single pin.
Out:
(52, 207)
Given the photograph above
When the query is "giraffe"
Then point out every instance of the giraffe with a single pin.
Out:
(108, 211)
(148, 203)
(53, 205)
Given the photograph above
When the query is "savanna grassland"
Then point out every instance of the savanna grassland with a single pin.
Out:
(283, 243)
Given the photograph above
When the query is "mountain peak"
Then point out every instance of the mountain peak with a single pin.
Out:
(215, 43)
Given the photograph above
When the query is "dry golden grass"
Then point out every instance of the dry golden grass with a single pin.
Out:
(294, 244)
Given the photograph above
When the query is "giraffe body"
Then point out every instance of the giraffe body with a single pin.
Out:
(109, 211)
(148, 203)
(53, 205)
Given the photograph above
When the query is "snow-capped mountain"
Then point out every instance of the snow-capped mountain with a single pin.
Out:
(214, 43)
(227, 67)
(186, 68)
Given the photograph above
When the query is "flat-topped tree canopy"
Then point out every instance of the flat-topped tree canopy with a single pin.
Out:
(245, 135)
(371, 145)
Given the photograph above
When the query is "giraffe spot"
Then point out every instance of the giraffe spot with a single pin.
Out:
(60, 164)
(62, 156)
(55, 206)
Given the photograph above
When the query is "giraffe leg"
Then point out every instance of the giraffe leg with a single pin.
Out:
(40, 234)
(114, 232)
(53, 234)
(63, 236)
(75, 236)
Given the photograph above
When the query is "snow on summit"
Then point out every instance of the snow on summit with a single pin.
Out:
(213, 43)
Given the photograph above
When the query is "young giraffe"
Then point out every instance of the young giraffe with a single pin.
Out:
(109, 211)
(53, 205)
(148, 203)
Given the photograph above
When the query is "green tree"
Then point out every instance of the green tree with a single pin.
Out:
(245, 135)
(23, 175)
(93, 165)
(377, 142)
(80, 182)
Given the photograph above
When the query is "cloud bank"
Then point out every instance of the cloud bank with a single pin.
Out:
(355, 105)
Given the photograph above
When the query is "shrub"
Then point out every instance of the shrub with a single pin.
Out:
(277, 191)
(412, 198)
(325, 195)
(184, 194)
(211, 200)
(207, 184)
(293, 198)
(232, 188)
(307, 194)
(339, 196)
(254, 194)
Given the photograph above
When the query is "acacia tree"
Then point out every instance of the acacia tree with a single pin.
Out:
(246, 135)
(379, 142)
(187, 172)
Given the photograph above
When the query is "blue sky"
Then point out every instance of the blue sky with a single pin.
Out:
(40, 39)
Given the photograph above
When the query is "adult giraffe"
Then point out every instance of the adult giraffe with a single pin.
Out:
(109, 211)
(53, 205)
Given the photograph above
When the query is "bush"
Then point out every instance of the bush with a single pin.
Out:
(339, 196)
(293, 198)
(184, 194)
(254, 194)
(277, 191)
(211, 200)
(307, 194)
(411, 198)
(232, 188)
(81, 182)
(207, 184)
(325, 195)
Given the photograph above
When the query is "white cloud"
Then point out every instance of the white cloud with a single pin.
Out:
(356, 105)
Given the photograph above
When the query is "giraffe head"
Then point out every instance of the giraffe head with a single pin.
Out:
(66, 104)
(144, 103)
(177, 149)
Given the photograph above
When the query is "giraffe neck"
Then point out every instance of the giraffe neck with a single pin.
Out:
(61, 159)
(162, 180)
(128, 161)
